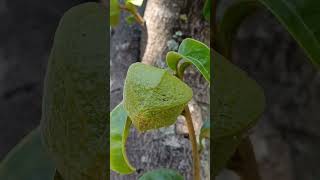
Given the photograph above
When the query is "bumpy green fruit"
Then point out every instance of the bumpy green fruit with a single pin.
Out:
(75, 114)
(153, 98)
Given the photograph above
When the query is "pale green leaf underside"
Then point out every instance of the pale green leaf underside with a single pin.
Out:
(162, 174)
(119, 131)
(238, 101)
(194, 52)
(28, 160)
(301, 18)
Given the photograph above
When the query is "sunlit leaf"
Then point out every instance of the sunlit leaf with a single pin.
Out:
(119, 131)
(27, 161)
(162, 174)
(194, 52)
(135, 2)
(153, 98)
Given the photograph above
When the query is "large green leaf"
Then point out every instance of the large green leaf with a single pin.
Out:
(119, 131)
(301, 18)
(193, 52)
(75, 118)
(162, 174)
(27, 161)
(238, 101)
(114, 12)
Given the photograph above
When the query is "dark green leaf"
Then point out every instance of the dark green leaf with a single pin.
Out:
(301, 18)
(207, 10)
(119, 131)
(230, 22)
(114, 12)
(27, 161)
(238, 101)
(194, 52)
(130, 19)
(162, 174)
(57, 176)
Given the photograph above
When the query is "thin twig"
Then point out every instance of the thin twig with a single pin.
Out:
(135, 13)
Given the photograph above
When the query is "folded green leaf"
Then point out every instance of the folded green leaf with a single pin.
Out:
(119, 131)
(162, 174)
(238, 101)
(194, 52)
(114, 12)
(153, 98)
(75, 120)
(27, 161)
(301, 18)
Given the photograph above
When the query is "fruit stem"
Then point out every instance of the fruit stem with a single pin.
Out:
(193, 141)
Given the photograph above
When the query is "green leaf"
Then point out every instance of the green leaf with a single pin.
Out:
(153, 98)
(207, 10)
(301, 18)
(230, 22)
(27, 161)
(57, 176)
(162, 174)
(130, 19)
(238, 103)
(135, 2)
(194, 52)
(114, 12)
(119, 131)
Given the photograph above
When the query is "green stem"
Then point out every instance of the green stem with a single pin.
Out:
(135, 13)
(194, 145)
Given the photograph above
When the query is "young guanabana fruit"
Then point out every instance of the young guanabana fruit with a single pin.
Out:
(75, 116)
(153, 98)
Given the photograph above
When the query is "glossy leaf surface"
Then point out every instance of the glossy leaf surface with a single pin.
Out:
(301, 18)
(153, 98)
(27, 161)
(194, 52)
(162, 174)
(119, 131)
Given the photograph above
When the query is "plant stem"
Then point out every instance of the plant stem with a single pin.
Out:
(244, 162)
(135, 13)
(193, 141)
